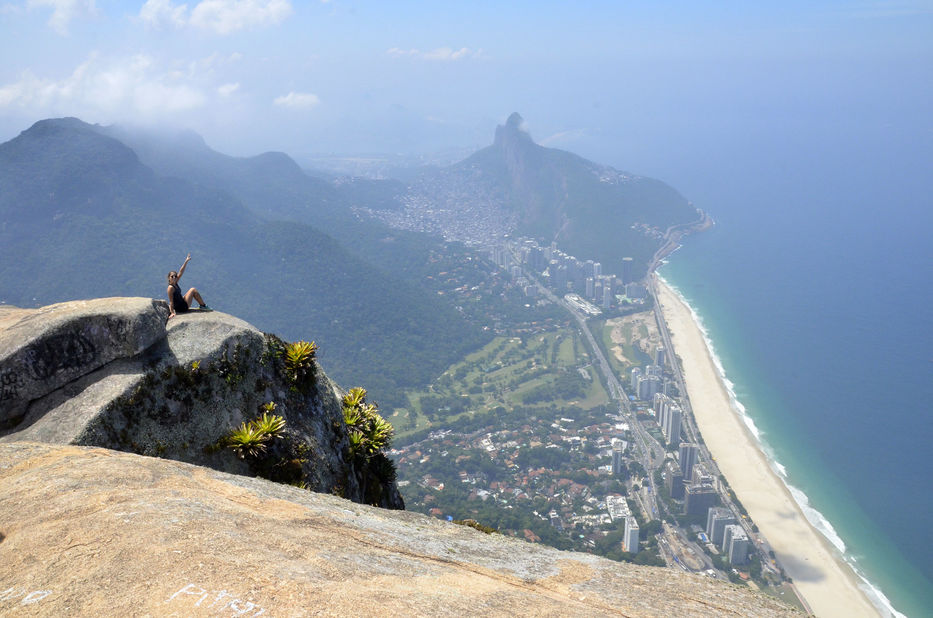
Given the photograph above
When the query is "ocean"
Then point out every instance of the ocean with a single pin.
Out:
(815, 290)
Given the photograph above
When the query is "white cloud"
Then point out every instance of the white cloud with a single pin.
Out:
(399, 53)
(160, 14)
(116, 87)
(63, 11)
(440, 53)
(220, 16)
(226, 16)
(297, 100)
(227, 89)
(446, 53)
(562, 137)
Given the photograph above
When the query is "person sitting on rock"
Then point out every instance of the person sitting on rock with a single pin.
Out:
(178, 303)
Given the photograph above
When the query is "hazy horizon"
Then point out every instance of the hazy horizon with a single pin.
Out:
(655, 90)
(804, 128)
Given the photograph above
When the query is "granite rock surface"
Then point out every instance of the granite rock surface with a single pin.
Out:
(43, 349)
(94, 532)
(132, 380)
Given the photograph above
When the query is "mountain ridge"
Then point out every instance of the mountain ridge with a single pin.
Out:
(82, 216)
(520, 187)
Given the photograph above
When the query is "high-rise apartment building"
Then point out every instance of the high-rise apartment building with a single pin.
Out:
(674, 480)
(672, 424)
(648, 386)
(688, 457)
(617, 460)
(735, 544)
(628, 267)
(698, 499)
(737, 551)
(716, 521)
(630, 543)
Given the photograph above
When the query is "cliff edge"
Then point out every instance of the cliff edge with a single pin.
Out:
(115, 373)
(119, 534)
(165, 519)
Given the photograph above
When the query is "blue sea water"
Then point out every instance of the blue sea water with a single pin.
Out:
(816, 290)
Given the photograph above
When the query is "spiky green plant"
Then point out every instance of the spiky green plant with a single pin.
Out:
(247, 441)
(352, 416)
(368, 432)
(251, 438)
(270, 425)
(354, 397)
(357, 444)
(269, 407)
(378, 433)
(299, 361)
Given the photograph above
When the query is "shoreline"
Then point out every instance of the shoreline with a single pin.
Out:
(828, 584)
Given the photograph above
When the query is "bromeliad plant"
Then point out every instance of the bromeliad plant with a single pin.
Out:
(299, 362)
(369, 436)
(369, 433)
(250, 439)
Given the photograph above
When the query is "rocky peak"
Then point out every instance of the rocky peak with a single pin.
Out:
(512, 132)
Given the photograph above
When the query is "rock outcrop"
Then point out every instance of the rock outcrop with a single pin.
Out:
(93, 532)
(190, 530)
(113, 373)
(41, 350)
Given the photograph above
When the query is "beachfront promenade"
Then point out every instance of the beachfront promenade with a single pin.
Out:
(828, 586)
(824, 584)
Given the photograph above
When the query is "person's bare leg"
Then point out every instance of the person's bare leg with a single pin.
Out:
(193, 293)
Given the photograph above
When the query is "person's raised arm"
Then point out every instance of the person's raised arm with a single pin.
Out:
(181, 270)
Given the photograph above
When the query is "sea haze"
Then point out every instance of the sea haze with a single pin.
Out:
(816, 290)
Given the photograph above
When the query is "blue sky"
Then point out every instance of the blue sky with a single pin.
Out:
(619, 82)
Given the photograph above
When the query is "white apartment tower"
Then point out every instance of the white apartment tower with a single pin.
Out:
(630, 542)
(688, 457)
(617, 461)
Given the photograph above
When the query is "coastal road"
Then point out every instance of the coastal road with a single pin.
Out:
(693, 434)
(651, 453)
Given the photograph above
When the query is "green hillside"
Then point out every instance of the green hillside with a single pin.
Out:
(82, 217)
(589, 209)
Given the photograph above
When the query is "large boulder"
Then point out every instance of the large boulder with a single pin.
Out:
(133, 382)
(92, 532)
(43, 349)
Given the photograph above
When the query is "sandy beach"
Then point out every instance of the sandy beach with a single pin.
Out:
(828, 584)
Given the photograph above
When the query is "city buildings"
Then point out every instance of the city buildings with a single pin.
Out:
(674, 480)
(559, 271)
(630, 542)
(618, 462)
(688, 457)
(735, 544)
(716, 522)
(699, 498)
(628, 267)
